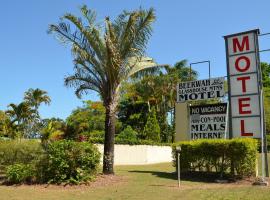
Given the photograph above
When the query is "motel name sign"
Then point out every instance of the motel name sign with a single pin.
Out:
(200, 89)
(244, 78)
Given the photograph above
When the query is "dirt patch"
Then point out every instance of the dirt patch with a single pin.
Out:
(100, 181)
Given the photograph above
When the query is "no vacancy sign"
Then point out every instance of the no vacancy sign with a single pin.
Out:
(208, 121)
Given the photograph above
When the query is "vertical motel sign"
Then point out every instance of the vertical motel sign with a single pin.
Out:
(244, 79)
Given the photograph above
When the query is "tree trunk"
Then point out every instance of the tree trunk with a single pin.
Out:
(108, 157)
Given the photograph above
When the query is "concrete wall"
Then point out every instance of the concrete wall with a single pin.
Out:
(139, 154)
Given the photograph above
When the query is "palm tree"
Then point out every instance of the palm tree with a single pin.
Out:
(21, 115)
(36, 96)
(104, 57)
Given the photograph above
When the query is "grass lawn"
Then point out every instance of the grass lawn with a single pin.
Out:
(139, 182)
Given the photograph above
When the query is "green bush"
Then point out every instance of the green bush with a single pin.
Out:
(97, 134)
(152, 130)
(70, 162)
(129, 142)
(19, 173)
(19, 152)
(127, 134)
(236, 156)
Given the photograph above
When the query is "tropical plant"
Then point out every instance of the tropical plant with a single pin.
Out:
(104, 58)
(53, 129)
(35, 97)
(5, 124)
(21, 115)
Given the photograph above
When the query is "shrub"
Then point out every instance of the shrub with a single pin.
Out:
(70, 162)
(19, 152)
(19, 173)
(237, 156)
(152, 130)
(97, 134)
(129, 142)
(127, 134)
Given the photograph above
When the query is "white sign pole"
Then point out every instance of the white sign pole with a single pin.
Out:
(178, 155)
(262, 138)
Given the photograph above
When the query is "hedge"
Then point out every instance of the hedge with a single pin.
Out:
(129, 142)
(236, 156)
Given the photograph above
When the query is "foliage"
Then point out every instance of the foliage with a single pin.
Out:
(35, 97)
(105, 57)
(6, 128)
(155, 91)
(133, 113)
(151, 130)
(267, 109)
(60, 162)
(19, 152)
(87, 121)
(221, 156)
(19, 173)
(127, 134)
(23, 118)
(71, 162)
(97, 134)
(265, 67)
(21, 115)
(53, 129)
(129, 142)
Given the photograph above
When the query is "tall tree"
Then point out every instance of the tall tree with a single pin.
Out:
(35, 97)
(104, 57)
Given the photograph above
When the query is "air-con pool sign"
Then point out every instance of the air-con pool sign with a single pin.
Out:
(200, 89)
(208, 121)
(243, 78)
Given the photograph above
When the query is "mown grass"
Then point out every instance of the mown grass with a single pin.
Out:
(141, 182)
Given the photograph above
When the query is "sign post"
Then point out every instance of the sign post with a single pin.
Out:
(245, 87)
(244, 84)
(178, 150)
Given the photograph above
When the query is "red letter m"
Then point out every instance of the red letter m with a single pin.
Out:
(244, 44)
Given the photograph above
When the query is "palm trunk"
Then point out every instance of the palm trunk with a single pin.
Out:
(108, 157)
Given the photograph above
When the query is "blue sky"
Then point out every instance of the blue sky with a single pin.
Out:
(185, 29)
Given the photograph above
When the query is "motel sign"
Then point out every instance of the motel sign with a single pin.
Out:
(244, 78)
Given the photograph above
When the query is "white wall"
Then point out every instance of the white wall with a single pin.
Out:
(139, 154)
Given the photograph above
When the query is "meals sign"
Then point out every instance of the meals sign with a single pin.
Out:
(200, 89)
(208, 121)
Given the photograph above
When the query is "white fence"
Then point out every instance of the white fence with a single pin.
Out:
(139, 154)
